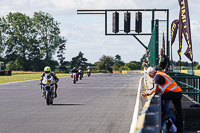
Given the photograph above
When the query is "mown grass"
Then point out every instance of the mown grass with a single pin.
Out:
(24, 77)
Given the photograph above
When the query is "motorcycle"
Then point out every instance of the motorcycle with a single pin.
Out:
(48, 86)
(80, 74)
(88, 73)
(74, 77)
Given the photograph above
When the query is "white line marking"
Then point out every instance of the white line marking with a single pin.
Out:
(135, 113)
(25, 81)
(18, 81)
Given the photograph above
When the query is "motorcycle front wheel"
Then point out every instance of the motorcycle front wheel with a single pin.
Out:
(48, 98)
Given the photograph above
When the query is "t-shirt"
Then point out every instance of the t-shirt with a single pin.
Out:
(158, 79)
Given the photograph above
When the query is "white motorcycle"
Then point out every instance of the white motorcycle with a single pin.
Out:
(74, 77)
(48, 86)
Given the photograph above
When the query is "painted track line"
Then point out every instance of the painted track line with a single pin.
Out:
(25, 81)
(135, 113)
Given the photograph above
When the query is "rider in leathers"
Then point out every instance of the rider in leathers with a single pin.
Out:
(47, 70)
(80, 68)
(74, 70)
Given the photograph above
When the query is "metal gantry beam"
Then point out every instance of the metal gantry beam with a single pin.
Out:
(105, 12)
(102, 10)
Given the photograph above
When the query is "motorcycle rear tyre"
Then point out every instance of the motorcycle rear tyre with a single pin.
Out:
(88, 74)
(74, 81)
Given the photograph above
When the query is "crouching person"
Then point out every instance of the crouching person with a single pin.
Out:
(169, 90)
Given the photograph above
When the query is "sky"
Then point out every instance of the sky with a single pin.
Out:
(86, 33)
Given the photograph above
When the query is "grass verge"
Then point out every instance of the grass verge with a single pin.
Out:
(24, 77)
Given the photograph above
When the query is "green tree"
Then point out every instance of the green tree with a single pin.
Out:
(79, 61)
(117, 63)
(49, 34)
(31, 40)
(133, 65)
(14, 65)
(19, 31)
(105, 63)
(123, 68)
(2, 37)
(116, 66)
(117, 58)
(60, 52)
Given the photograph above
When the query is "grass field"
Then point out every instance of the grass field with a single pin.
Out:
(24, 77)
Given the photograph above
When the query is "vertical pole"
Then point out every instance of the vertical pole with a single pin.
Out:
(152, 22)
(196, 83)
(156, 42)
(171, 59)
(168, 45)
(192, 68)
(105, 22)
(194, 88)
(199, 91)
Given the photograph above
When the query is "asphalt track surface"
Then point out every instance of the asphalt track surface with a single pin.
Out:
(102, 103)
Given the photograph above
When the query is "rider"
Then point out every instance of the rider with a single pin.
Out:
(81, 71)
(88, 68)
(74, 70)
(80, 68)
(88, 71)
(47, 70)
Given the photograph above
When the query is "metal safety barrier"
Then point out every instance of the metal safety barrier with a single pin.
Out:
(189, 83)
(149, 119)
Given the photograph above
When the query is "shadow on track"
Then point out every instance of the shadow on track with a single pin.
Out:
(82, 83)
(67, 104)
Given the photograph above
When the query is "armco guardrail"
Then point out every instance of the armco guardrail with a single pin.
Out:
(189, 83)
(149, 119)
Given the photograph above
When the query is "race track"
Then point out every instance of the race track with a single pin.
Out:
(102, 103)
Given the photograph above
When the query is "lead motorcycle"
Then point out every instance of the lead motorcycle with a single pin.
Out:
(48, 86)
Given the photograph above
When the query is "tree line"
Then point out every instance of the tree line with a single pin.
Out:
(28, 43)
(109, 63)
(184, 63)
(115, 63)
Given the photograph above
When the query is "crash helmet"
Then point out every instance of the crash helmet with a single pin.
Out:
(47, 69)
